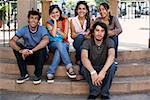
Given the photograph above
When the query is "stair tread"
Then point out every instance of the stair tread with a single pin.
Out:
(141, 62)
(66, 79)
(126, 56)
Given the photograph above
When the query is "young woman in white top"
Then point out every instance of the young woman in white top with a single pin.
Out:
(80, 26)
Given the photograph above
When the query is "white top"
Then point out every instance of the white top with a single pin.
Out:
(77, 25)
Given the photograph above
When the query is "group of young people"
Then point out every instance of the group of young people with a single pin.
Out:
(95, 42)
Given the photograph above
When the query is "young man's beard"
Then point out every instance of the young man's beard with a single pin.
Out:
(98, 39)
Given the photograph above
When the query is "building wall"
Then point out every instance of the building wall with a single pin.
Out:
(23, 6)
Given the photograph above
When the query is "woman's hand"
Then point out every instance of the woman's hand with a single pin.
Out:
(111, 33)
(51, 17)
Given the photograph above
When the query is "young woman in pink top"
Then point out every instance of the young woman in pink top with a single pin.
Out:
(80, 26)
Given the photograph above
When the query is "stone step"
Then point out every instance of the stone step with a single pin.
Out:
(123, 56)
(66, 86)
(127, 69)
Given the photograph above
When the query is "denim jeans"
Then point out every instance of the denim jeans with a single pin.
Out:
(60, 53)
(115, 39)
(77, 44)
(106, 84)
(37, 58)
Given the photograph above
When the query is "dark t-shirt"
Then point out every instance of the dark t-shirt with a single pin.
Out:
(98, 54)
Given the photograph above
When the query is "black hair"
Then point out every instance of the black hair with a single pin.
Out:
(106, 6)
(52, 7)
(33, 12)
(103, 25)
(87, 14)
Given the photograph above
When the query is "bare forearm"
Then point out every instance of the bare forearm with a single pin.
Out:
(109, 61)
(62, 33)
(87, 64)
(54, 30)
(73, 35)
(13, 45)
(41, 45)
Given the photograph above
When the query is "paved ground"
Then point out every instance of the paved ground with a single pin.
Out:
(5, 95)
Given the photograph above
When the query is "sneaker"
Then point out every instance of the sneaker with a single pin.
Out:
(116, 62)
(22, 79)
(79, 77)
(92, 97)
(50, 78)
(71, 74)
(36, 80)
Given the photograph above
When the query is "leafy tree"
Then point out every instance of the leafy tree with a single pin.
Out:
(100, 1)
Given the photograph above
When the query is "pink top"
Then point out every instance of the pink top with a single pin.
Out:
(77, 25)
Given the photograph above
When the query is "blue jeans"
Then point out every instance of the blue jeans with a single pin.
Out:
(60, 52)
(77, 44)
(115, 39)
(106, 84)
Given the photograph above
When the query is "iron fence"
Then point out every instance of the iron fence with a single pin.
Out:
(8, 17)
(134, 9)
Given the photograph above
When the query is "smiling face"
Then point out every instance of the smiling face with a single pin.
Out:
(55, 14)
(81, 10)
(33, 21)
(99, 33)
(103, 12)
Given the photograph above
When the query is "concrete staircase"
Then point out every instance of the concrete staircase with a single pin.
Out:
(132, 76)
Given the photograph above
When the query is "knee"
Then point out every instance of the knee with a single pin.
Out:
(61, 46)
(80, 37)
(112, 68)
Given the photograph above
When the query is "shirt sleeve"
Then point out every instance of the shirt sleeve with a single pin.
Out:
(20, 32)
(110, 43)
(86, 44)
(44, 31)
(118, 28)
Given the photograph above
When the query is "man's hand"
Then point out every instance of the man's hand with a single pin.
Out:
(25, 53)
(100, 78)
(94, 78)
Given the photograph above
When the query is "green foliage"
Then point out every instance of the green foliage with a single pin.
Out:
(3, 10)
(100, 1)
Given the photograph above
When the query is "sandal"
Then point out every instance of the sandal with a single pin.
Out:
(71, 74)
(79, 77)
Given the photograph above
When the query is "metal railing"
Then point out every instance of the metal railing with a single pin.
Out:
(134, 9)
(8, 11)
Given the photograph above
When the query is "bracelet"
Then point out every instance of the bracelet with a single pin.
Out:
(92, 72)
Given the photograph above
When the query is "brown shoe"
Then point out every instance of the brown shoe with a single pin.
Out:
(79, 77)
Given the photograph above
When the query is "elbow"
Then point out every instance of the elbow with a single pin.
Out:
(46, 41)
(120, 30)
(65, 36)
(11, 42)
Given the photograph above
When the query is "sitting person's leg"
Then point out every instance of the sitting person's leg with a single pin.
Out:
(62, 48)
(39, 60)
(116, 41)
(108, 81)
(53, 67)
(77, 45)
(94, 91)
(22, 65)
(55, 62)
